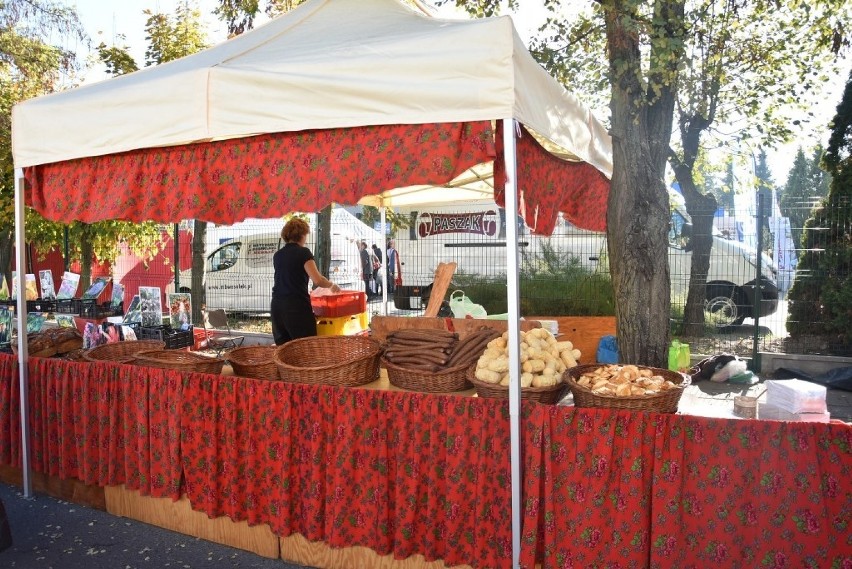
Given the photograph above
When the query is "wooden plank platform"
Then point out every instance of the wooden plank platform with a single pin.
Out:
(297, 549)
(180, 517)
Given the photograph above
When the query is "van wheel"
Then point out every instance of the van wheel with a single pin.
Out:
(722, 308)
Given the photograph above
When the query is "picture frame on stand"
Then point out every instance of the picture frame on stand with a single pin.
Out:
(151, 306)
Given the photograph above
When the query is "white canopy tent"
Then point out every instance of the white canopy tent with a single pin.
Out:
(327, 64)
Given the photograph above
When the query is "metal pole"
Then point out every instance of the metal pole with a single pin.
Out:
(23, 353)
(383, 270)
(177, 256)
(514, 344)
(758, 291)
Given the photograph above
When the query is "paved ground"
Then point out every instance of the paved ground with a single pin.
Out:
(53, 534)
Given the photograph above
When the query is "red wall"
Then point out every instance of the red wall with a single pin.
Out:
(128, 269)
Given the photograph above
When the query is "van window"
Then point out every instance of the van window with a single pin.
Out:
(223, 258)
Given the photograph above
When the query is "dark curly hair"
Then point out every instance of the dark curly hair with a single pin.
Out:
(294, 230)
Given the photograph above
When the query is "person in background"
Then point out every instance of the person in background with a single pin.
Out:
(5, 335)
(394, 267)
(366, 269)
(376, 260)
(290, 309)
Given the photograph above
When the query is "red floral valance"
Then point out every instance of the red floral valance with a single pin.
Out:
(409, 473)
(273, 174)
(261, 176)
(548, 185)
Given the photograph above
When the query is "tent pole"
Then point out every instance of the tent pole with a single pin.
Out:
(514, 344)
(23, 353)
(383, 270)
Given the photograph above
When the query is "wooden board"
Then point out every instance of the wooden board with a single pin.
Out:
(443, 275)
(70, 490)
(381, 326)
(297, 549)
(180, 517)
(584, 332)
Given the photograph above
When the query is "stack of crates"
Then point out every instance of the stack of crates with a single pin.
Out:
(341, 314)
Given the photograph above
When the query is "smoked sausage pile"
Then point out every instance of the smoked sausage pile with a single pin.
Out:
(436, 350)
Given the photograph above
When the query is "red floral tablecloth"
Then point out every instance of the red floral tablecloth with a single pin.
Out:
(407, 473)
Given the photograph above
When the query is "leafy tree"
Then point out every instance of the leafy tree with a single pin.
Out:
(117, 60)
(745, 67)
(732, 63)
(239, 15)
(371, 216)
(806, 184)
(171, 38)
(30, 65)
(645, 48)
(820, 300)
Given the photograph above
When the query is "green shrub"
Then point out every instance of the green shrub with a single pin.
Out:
(557, 287)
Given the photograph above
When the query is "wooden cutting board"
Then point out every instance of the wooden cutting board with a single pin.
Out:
(443, 275)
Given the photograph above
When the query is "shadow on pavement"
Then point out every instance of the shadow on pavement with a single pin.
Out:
(52, 534)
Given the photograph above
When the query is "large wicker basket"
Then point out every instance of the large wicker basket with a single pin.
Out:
(65, 339)
(180, 361)
(443, 381)
(549, 395)
(254, 361)
(662, 402)
(121, 352)
(329, 360)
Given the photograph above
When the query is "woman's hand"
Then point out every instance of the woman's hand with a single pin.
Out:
(335, 288)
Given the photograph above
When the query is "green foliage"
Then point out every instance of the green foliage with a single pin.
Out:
(170, 38)
(807, 183)
(239, 15)
(820, 300)
(551, 284)
(117, 60)
(370, 215)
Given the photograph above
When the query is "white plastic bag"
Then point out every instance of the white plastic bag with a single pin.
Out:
(463, 307)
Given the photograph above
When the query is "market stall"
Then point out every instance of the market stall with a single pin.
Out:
(349, 99)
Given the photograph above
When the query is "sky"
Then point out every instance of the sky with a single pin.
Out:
(105, 20)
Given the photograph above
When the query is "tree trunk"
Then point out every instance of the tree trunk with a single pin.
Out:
(199, 237)
(87, 257)
(638, 206)
(701, 208)
(323, 246)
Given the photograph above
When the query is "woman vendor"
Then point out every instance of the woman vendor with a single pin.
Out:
(290, 309)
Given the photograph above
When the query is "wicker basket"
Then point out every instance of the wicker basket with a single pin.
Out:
(354, 360)
(180, 361)
(66, 339)
(549, 395)
(121, 352)
(253, 361)
(443, 381)
(662, 402)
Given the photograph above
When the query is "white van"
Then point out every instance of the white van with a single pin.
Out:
(474, 236)
(238, 272)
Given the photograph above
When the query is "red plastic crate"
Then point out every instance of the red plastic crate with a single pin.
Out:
(344, 303)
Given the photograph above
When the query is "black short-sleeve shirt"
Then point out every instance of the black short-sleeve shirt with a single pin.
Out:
(291, 279)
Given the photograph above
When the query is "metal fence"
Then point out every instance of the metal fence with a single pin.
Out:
(562, 274)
